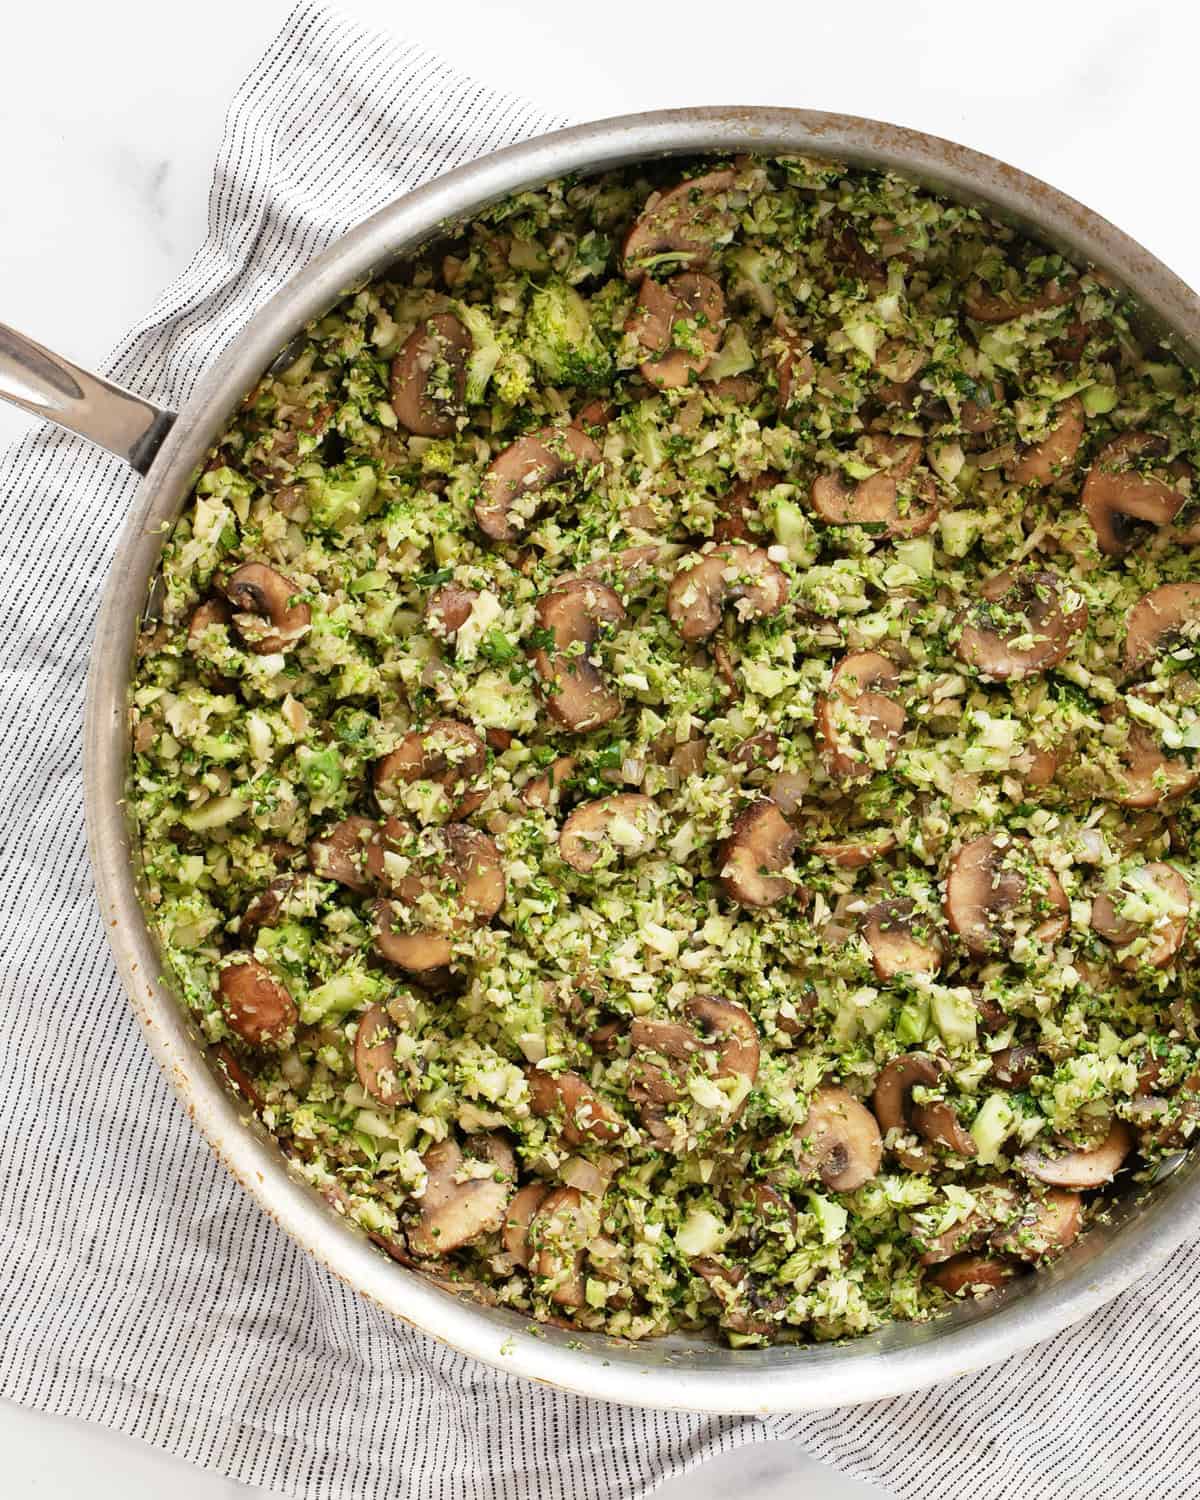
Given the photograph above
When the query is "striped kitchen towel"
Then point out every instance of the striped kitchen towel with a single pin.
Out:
(139, 1287)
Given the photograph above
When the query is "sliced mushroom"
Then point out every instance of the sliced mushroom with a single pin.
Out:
(995, 1208)
(743, 1308)
(571, 684)
(585, 1115)
(1080, 1169)
(465, 1195)
(449, 609)
(1015, 1067)
(838, 1140)
(1149, 776)
(1159, 884)
(1045, 1228)
(448, 753)
(265, 909)
(711, 580)
(544, 790)
(882, 501)
(1040, 464)
(855, 854)
(1026, 623)
(727, 1038)
(939, 1122)
(560, 1230)
(902, 940)
(341, 853)
(1158, 622)
(760, 845)
(267, 615)
(516, 478)
(983, 305)
(683, 224)
(429, 377)
(627, 823)
(738, 505)
(211, 612)
(858, 726)
(678, 328)
(993, 884)
(464, 872)
(1124, 503)
(414, 952)
(971, 1273)
(517, 1219)
(736, 1036)
(238, 1076)
(794, 367)
(257, 1007)
(375, 1057)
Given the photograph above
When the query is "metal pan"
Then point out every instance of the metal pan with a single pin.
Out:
(1146, 1225)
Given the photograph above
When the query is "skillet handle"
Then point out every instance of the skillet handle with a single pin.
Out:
(42, 382)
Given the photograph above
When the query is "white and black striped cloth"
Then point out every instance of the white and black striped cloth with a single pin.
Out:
(139, 1287)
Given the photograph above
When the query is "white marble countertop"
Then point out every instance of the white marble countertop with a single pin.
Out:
(111, 117)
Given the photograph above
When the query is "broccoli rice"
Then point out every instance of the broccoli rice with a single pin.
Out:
(664, 767)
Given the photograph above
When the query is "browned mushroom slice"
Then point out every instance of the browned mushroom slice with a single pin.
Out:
(544, 790)
(238, 1076)
(429, 377)
(257, 1007)
(994, 884)
(902, 940)
(517, 1219)
(738, 506)
(1026, 623)
(980, 414)
(838, 1140)
(1040, 464)
(341, 853)
(1082, 1168)
(1124, 503)
(736, 1037)
(995, 1207)
(759, 847)
(1167, 893)
(268, 616)
(414, 952)
(560, 1230)
(983, 305)
(884, 501)
(971, 1273)
(844, 247)
(855, 854)
(794, 367)
(461, 865)
(711, 580)
(683, 224)
(678, 328)
(570, 682)
(743, 1308)
(465, 1195)
(448, 753)
(1161, 621)
(859, 726)
(1015, 1067)
(585, 1115)
(449, 609)
(939, 1122)
(1148, 775)
(892, 1103)
(265, 909)
(375, 1057)
(1046, 1227)
(626, 823)
(514, 480)
(211, 612)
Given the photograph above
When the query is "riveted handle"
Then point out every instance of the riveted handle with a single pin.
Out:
(42, 382)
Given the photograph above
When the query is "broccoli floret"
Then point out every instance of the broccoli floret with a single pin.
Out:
(486, 353)
(513, 379)
(561, 340)
(340, 497)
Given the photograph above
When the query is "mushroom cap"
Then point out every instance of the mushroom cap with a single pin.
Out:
(760, 845)
(264, 613)
(1122, 503)
(1014, 1067)
(882, 500)
(1149, 776)
(457, 1208)
(1168, 931)
(456, 862)
(257, 1007)
(1046, 1227)
(691, 298)
(525, 469)
(1157, 621)
(414, 952)
(711, 580)
(733, 1027)
(340, 853)
(543, 790)
(794, 367)
(449, 608)
(585, 1115)
(686, 223)
(971, 1272)
(939, 1123)
(1040, 464)
(560, 1229)
(891, 1101)
(993, 878)
(902, 939)
(375, 1057)
(983, 305)
(210, 612)
(853, 711)
(1079, 1169)
(1025, 623)
(514, 1232)
(429, 377)
(838, 1140)
(572, 686)
(732, 525)
(627, 822)
(447, 752)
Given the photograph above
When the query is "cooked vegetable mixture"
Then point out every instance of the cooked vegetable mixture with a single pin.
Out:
(665, 765)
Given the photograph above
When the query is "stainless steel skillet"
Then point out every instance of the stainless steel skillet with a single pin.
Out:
(166, 448)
